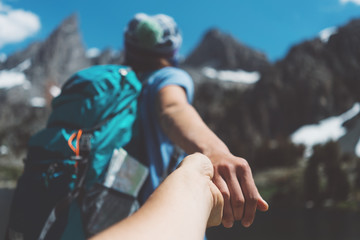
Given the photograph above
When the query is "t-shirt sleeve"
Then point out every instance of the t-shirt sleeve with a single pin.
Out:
(175, 76)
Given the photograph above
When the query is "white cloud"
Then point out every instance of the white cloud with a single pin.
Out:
(16, 24)
(357, 2)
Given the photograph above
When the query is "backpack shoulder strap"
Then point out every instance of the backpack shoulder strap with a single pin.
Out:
(62, 207)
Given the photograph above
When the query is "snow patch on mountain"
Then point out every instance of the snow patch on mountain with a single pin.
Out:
(239, 76)
(326, 130)
(15, 76)
(326, 33)
(38, 102)
(93, 52)
(9, 79)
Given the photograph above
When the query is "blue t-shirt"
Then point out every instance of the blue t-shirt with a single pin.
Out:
(158, 147)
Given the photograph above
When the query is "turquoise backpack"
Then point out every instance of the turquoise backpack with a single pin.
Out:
(93, 115)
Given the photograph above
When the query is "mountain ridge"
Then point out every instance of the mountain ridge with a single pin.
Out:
(318, 79)
(315, 80)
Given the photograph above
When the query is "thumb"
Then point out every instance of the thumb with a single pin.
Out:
(216, 213)
(262, 205)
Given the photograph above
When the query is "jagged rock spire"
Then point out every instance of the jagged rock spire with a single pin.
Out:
(222, 51)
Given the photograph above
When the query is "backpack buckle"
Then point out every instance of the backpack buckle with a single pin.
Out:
(85, 144)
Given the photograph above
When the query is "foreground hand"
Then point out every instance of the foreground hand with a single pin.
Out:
(203, 166)
(233, 177)
(184, 204)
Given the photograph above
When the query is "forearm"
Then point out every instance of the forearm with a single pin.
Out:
(184, 126)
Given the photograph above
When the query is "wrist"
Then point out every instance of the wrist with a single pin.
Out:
(216, 153)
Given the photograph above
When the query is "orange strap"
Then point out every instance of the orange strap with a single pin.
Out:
(76, 149)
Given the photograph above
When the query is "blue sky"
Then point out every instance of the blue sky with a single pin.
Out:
(270, 26)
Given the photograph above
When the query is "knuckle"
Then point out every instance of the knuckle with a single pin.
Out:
(243, 166)
(225, 194)
(224, 168)
(252, 199)
(238, 202)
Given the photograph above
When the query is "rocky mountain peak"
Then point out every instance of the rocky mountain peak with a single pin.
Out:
(60, 55)
(222, 51)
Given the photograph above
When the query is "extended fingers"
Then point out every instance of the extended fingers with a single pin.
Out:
(228, 218)
(251, 194)
(250, 209)
(241, 197)
(262, 205)
(236, 195)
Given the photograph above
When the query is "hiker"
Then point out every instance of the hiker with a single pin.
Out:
(168, 119)
(82, 174)
(170, 212)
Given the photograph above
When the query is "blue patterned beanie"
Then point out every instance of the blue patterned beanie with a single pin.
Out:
(152, 36)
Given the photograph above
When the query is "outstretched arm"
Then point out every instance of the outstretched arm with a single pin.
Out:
(178, 209)
(232, 175)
